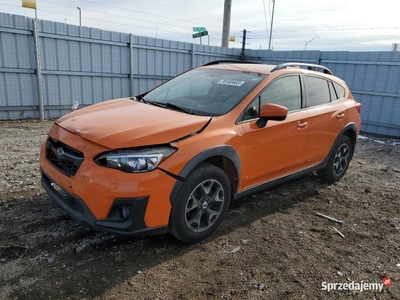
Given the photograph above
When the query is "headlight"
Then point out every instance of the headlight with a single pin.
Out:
(135, 160)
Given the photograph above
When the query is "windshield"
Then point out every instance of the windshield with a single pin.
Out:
(205, 91)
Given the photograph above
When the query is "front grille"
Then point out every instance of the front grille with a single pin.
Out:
(63, 157)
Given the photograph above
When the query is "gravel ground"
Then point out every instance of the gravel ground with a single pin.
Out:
(271, 245)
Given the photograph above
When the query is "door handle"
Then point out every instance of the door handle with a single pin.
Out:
(302, 125)
(340, 116)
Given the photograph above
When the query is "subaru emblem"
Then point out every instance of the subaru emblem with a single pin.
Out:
(60, 152)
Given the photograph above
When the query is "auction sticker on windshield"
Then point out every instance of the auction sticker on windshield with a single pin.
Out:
(231, 82)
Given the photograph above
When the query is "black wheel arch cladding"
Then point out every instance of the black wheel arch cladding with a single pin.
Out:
(223, 150)
(351, 127)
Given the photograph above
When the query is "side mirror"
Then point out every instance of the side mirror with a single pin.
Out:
(272, 112)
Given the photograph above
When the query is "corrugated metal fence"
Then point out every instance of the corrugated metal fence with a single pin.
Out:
(89, 65)
(373, 77)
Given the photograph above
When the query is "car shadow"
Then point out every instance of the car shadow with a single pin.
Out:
(88, 264)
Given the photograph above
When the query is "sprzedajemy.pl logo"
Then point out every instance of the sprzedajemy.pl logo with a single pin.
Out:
(357, 286)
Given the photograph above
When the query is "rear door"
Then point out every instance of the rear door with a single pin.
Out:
(327, 117)
(278, 148)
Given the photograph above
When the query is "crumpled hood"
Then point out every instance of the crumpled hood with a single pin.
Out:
(123, 123)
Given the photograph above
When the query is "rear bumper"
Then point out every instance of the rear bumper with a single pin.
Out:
(78, 210)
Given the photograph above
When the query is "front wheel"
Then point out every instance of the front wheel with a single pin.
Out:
(338, 162)
(200, 204)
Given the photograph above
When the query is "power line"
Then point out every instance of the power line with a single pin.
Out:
(108, 14)
(269, 9)
(214, 36)
(150, 14)
(94, 19)
(363, 36)
(107, 21)
(142, 20)
(10, 5)
(265, 16)
(337, 29)
(346, 37)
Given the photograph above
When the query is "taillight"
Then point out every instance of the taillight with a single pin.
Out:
(358, 106)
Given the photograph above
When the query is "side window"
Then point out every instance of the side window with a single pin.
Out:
(284, 91)
(339, 90)
(252, 110)
(332, 92)
(317, 91)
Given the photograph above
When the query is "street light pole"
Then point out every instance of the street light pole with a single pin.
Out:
(305, 45)
(272, 24)
(80, 16)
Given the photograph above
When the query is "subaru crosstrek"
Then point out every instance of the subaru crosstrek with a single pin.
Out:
(173, 158)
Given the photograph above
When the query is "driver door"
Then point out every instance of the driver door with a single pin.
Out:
(278, 148)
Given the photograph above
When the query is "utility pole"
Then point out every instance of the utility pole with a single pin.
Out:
(32, 4)
(272, 24)
(227, 23)
(80, 16)
(243, 44)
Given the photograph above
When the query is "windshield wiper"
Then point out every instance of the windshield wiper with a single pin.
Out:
(170, 105)
(173, 106)
(138, 99)
(155, 103)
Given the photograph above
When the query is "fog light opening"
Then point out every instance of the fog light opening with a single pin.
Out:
(124, 212)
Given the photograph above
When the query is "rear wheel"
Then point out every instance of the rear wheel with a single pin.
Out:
(200, 204)
(338, 162)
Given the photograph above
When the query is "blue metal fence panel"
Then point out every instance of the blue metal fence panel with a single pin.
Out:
(83, 64)
(278, 57)
(373, 77)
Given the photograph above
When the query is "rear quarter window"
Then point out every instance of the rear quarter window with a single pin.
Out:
(317, 91)
(332, 90)
(340, 91)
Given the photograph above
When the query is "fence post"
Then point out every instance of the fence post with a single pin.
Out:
(319, 57)
(38, 67)
(131, 61)
(192, 56)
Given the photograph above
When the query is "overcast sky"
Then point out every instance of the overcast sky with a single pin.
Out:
(352, 25)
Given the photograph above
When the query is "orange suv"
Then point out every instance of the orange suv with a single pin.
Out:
(173, 158)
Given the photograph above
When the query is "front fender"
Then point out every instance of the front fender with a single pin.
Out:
(223, 150)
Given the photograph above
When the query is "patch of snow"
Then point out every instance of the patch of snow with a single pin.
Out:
(383, 141)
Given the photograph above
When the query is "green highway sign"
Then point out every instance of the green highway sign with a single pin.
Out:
(200, 29)
(200, 34)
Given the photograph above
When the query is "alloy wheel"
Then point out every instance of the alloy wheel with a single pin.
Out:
(341, 159)
(204, 205)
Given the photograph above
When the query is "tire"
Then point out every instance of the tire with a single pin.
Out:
(338, 162)
(201, 204)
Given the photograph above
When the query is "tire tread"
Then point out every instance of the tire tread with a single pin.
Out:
(173, 220)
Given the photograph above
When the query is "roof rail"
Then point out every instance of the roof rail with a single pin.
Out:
(309, 66)
(218, 62)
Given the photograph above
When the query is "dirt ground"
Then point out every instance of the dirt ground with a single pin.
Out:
(272, 245)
